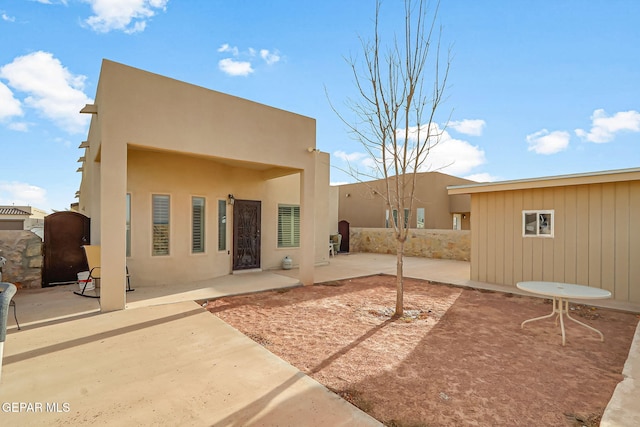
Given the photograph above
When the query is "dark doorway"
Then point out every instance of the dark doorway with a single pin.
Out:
(343, 229)
(246, 234)
(64, 235)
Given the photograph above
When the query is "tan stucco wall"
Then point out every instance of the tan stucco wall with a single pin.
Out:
(244, 144)
(596, 241)
(361, 205)
(182, 177)
(334, 195)
(439, 244)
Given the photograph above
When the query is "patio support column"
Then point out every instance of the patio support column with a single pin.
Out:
(113, 179)
(307, 224)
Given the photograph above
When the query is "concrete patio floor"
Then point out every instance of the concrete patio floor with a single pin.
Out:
(167, 361)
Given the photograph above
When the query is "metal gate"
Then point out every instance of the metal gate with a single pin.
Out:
(246, 234)
(64, 235)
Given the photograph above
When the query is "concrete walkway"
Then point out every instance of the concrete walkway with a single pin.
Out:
(167, 361)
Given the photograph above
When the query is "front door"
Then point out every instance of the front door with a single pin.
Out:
(246, 234)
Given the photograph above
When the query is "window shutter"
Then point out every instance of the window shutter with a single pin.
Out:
(160, 207)
(198, 217)
(288, 226)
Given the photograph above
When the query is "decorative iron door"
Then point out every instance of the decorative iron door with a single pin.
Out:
(246, 234)
(64, 235)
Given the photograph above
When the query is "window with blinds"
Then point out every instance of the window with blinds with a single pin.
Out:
(288, 226)
(197, 224)
(160, 208)
(222, 225)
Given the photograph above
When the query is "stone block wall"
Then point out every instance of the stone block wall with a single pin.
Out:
(23, 251)
(440, 244)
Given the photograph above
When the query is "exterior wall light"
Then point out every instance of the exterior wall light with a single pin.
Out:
(231, 199)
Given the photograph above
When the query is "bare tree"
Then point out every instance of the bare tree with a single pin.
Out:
(395, 112)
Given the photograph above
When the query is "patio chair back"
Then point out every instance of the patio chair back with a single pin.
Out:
(92, 253)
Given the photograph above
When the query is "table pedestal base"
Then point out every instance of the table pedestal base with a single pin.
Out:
(560, 307)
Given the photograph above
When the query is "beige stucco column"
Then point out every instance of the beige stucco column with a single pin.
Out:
(113, 180)
(307, 230)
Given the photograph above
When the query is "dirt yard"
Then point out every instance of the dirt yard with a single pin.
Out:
(458, 357)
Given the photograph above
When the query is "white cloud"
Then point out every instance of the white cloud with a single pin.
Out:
(129, 16)
(21, 193)
(468, 127)
(244, 64)
(545, 142)
(451, 156)
(349, 157)
(9, 105)
(226, 48)
(604, 127)
(8, 18)
(269, 57)
(482, 177)
(235, 68)
(50, 88)
(19, 126)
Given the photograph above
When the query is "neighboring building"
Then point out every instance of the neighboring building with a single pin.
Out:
(361, 205)
(183, 183)
(22, 218)
(580, 229)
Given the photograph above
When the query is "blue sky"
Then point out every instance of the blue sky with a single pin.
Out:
(536, 88)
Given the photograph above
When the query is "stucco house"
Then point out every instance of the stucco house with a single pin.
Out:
(184, 183)
(21, 218)
(361, 205)
(580, 228)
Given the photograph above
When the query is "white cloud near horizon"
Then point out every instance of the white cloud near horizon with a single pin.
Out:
(468, 127)
(604, 127)
(50, 89)
(545, 142)
(22, 193)
(482, 177)
(128, 16)
(450, 156)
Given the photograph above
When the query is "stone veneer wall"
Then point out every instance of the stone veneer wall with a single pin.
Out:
(23, 251)
(441, 244)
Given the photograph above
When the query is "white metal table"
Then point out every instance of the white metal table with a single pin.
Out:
(561, 292)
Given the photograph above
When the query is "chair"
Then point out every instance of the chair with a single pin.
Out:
(12, 303)
(92, 253)
(335, 241)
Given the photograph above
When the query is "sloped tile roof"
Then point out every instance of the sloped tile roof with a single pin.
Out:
(12, 211)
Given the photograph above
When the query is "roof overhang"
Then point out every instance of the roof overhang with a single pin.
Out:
(619, 175)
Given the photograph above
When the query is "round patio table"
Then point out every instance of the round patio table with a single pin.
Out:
(561, 293)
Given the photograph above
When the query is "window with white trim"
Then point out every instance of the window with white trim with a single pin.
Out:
(160, 208)
(197, 224)
(288, 226)
(537, 223)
